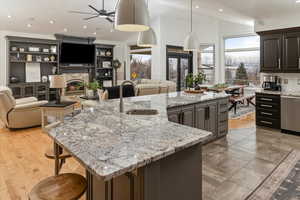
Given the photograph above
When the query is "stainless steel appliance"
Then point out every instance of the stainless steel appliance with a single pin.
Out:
(290, 113)
(271, 83)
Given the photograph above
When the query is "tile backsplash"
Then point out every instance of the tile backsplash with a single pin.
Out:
(290, 81)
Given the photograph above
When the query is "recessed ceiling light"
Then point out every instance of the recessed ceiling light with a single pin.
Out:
(9, 16)
(85, 27)
(197, 6)
(95, 33)
(297, 1)
(65, 30)
(51, 22)
(29, 25)
(221, 10)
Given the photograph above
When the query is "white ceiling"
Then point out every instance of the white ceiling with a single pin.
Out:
(40, 12)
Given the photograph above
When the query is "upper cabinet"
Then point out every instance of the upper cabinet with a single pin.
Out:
(291, 52)
(271, 53)
(280, 51)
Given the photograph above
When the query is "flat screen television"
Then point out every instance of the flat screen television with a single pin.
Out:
(71, 53)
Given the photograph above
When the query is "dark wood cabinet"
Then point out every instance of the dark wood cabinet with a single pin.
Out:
(280, 51)
(291, 52)
(211, 116)
(271, 53)
(268, 110)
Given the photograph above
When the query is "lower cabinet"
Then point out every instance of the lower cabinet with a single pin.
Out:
(211, 116)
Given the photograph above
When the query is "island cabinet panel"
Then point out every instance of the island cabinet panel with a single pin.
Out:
(176, 177)
(188, 116)
(211, 116)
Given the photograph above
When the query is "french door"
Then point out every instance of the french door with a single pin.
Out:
(179, 65)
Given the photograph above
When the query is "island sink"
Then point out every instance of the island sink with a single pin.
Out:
(142, 112)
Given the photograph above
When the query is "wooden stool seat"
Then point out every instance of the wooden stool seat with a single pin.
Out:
(50, 154)
(62, 187)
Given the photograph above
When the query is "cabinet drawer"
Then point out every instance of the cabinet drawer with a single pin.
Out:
(223, 117)
(268, 122)
(223, 129)
(268, 105)
(271, 113)
(223, 106)
(267, 98)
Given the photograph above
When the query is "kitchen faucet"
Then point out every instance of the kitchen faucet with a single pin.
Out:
(121, 94)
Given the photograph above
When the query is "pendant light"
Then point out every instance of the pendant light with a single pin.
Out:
(147, 38)
(191, 41)
(131, 16)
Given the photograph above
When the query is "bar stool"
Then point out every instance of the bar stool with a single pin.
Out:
(62, 187)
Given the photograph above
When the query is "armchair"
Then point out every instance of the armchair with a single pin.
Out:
(20, 113)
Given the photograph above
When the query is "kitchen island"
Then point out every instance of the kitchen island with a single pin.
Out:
(137, 157)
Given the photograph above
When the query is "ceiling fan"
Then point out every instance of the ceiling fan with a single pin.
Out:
(109, 16)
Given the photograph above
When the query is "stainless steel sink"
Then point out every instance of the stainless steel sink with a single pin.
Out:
(142, 112)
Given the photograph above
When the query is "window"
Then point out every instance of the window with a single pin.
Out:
(206, 60)
(242, 60)
(140, 62)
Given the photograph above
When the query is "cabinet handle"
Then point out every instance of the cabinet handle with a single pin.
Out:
(299, 62)
(266, 106)
(279, 63)
(266, 99)
(206, 113)
(265, 122)
(182, 118)
(223, 121)
(265, 113)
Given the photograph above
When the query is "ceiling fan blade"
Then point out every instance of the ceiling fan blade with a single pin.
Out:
(84, 13)
(95, 9)
(91, 17)
(111, 13)
(109, 19)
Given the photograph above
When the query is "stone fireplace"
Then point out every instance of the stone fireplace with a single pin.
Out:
(75, 84)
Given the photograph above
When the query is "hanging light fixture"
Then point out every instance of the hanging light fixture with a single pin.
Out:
(191, 41)
(147, 38)
(131, 16)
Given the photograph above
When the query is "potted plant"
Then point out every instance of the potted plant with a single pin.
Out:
(91, 88)
(189, 81)
(199, 79)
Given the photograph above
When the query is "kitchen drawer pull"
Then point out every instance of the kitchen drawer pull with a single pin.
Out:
(266, 99)
(265, 113)
(299, 62)
(266, 106)
(265, 122)
(279, 63)
(223, 112)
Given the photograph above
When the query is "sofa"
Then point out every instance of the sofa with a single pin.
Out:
(148, 87)
(19, 113)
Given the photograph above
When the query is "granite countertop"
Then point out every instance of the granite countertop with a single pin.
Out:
(109, 143)
(281, 93)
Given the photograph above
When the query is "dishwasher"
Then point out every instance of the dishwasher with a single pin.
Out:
(290, 113)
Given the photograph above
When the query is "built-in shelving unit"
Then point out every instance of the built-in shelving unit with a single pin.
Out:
(24, 51)
(103, 68)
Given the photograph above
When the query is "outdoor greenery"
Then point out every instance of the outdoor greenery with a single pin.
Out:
(241, 75)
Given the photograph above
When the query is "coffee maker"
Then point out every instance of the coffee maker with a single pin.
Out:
(272, 83)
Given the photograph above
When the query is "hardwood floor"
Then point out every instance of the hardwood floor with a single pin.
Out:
(232, 166)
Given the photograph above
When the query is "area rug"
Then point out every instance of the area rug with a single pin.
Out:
(241, 111)
(283, 183)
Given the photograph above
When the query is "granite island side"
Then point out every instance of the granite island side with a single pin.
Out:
(137, 157)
